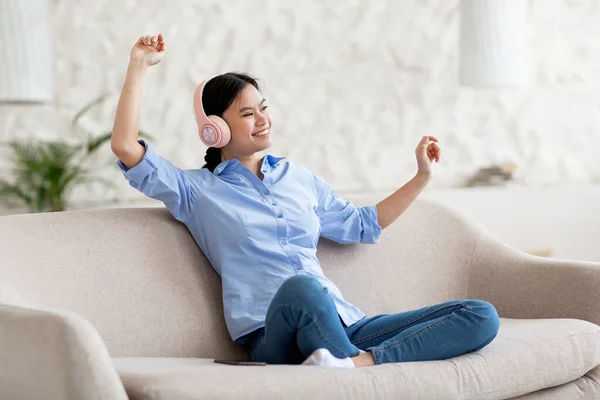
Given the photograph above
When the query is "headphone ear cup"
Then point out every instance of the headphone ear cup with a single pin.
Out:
(225, 135)
(215, 136)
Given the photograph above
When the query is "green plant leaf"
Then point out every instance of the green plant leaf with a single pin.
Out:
(28, 166)
(45, 172)
(75, 175)
(11, 191)
(94, 143)
(58, 158)
(87, 107)
(145, 135)
(42, 200)
(41, 168)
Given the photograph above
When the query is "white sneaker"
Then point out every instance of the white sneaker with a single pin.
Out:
(324, 358)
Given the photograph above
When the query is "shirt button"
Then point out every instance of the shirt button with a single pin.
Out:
(274, 203)
(284, 241)
(266, 191)
(280, 216)
(264, 170)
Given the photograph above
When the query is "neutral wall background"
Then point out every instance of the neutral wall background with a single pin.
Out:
(352, 87)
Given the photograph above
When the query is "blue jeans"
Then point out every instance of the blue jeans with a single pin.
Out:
(302, 318)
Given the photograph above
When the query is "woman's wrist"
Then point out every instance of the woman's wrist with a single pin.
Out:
(137, 66)
(423, 177)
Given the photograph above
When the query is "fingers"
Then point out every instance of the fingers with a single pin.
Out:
(434, 151)
(431, 147)
(161, 45)
(153, 41)
(425, 139)
(431, 154)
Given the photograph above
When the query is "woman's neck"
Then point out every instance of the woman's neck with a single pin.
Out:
(252, 162)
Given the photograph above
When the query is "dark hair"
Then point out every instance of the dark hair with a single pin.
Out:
(217, 96)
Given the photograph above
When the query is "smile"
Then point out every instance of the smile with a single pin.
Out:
(264, 132)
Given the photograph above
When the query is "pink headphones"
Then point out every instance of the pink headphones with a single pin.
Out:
(213, 130)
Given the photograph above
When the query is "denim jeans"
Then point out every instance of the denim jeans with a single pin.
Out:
(302, 318)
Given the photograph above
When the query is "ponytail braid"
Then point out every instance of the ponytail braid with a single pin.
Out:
(212, 158)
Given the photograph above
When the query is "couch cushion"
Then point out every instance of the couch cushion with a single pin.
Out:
(525, 356)
(585, 388)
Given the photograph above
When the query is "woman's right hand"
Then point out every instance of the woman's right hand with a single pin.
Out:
(149, 49)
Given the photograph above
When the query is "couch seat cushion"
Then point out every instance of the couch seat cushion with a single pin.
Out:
(526, 355)
(585, 388)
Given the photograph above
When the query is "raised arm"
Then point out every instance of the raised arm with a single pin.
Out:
(389, 209)
(145, 170)
(147, 51)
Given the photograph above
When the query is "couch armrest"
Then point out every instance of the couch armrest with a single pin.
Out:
(521, 285)
(54, 354)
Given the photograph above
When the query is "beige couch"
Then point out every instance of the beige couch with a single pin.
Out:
(121, 303)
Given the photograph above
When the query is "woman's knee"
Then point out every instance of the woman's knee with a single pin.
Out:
(487, 320)
(301, 281)
(301, 286)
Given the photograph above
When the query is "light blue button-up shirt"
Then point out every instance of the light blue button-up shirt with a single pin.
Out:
(257, 233)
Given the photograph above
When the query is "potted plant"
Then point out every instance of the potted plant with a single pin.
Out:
(45, 172)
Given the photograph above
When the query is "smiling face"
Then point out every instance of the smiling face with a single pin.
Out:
(247, 116)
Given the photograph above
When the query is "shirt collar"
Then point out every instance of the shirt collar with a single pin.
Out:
(225, 165)
(232, 162)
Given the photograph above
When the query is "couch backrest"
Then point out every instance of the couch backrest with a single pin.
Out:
(138, 276)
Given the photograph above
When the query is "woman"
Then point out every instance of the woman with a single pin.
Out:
(258, 220)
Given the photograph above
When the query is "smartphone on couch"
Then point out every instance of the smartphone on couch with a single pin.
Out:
(235, 362)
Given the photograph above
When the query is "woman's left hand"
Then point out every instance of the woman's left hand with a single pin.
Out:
(428, 151)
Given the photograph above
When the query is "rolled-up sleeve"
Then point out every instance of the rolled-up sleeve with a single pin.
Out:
(159, 179)
(343, 222)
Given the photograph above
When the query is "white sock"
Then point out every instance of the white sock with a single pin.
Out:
(324, 358)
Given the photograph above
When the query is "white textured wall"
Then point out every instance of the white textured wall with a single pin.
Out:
(352, 86)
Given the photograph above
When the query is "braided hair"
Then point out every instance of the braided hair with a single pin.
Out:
(218, 94)
(212, 158)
